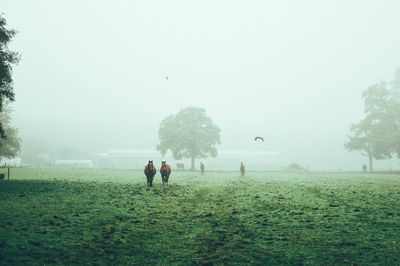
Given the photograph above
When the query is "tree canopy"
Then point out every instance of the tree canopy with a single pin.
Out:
(7, 60)
(378, 134)
(189, 134)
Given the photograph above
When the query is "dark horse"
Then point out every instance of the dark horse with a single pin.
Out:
(180, 166)
(150, 172)
(165, 171)
(242, 168)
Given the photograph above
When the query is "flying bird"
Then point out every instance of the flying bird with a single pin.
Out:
(166, 78)
(259, 138)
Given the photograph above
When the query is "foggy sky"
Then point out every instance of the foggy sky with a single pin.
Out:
(92, 73)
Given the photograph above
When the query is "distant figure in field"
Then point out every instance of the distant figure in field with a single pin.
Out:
(202, 168)
(165, 171)
(242, 168)
(180, 166)
(364, 167)
(150, 172)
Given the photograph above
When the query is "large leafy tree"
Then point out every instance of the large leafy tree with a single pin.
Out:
(393, 115)
(378, 134)
(7, 60)
(189, 134)
(367, 138)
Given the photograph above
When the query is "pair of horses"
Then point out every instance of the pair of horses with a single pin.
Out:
(150, 172)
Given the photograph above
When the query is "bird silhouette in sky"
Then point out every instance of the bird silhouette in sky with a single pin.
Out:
(256, 138)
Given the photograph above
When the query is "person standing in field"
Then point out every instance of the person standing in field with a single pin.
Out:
(202, 168)
(242, 168)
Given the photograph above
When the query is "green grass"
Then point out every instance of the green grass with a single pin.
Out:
(77, 216)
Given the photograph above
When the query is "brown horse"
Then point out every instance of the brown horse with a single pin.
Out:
(242, 168)
(165, 171)
(202, 168)
(150, 172)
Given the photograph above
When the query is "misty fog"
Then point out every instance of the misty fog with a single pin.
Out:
(93, 74)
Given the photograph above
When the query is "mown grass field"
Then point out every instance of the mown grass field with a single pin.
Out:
(76, 216)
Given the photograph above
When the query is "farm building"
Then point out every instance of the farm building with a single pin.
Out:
(69, 153)
(13, 162)
(74, 163)
(126, 158)
(65, 157)
(231, 159)
(226, 159)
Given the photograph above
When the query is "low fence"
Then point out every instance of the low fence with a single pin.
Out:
(3, 175)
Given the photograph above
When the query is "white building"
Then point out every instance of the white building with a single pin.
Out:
(74, 163)
(13, 162)
(226, 159)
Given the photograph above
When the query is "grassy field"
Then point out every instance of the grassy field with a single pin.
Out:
(77, 216)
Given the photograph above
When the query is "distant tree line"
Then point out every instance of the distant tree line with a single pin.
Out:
(378, 134)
